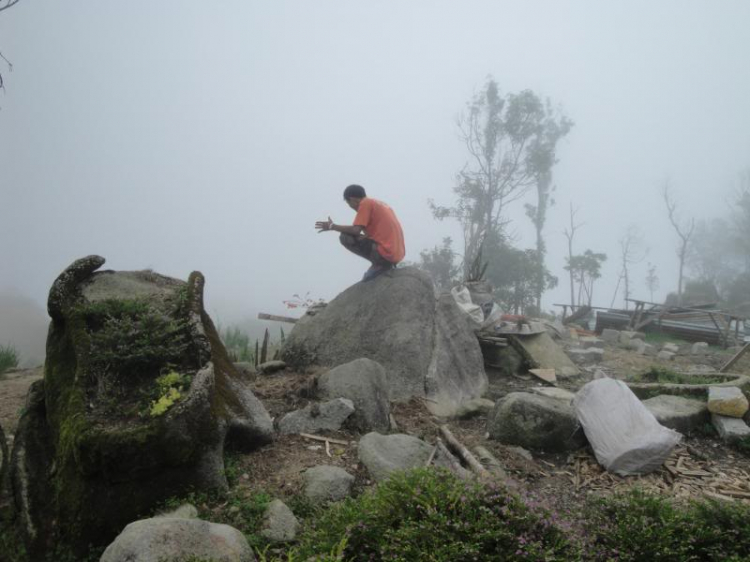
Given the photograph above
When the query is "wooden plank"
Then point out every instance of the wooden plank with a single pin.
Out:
(264, 316)
(729, 364)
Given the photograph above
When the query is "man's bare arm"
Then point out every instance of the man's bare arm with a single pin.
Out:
(324, 226)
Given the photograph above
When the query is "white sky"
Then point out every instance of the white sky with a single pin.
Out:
(183, 135)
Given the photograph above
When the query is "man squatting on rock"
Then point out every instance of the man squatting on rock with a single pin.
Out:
(376, 234)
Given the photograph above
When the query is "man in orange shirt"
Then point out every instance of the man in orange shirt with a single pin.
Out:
(376, 234)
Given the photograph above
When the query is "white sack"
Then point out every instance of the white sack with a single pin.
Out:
(625, 436)
(463, 298)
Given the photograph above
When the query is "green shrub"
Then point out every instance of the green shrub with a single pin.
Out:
(8, 358)
(637, 527)
(429, 514)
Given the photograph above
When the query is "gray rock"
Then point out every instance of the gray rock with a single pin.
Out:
(647, 349)
(727, 401)
(678, 413)
(521, 452)
(75, 422)
(364, 382)
(664, 355)
(554, 392)
(535, 422)
(315, 417)
(671, 348)
(474, 407)
(699, 348)
(611, 336)
(590, 341)
(327, 483)
(589, 356)
(730, 429)
(153, 540)
(626, 336)
(425, 344)
(279, 523)
(271, 367)
(246, 369)
(185, 511)
(386, 454)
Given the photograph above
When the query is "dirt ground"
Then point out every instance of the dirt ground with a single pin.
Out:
(701, 466)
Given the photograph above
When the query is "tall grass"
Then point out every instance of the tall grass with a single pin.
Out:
(8, 358)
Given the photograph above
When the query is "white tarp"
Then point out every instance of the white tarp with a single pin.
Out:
(625, 436)
(463, 298)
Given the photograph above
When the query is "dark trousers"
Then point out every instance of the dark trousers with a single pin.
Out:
(365, 248)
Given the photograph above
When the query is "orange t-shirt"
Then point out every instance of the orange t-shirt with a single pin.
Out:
(381, 226)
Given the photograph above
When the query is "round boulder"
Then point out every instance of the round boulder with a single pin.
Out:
(364, 382)
(385, 454)
(535, 422)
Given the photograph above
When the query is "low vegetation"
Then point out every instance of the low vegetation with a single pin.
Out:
(8, 358)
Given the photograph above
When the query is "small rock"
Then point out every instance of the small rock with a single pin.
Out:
(271, 367)
(246, 369)
(588, 356)
(626, 336)
(521, 452)
(730, 429)
(385, 454)
(590, 341)
(611, 336)
(665, 355)
(185, 511)
(315, 417)
(474, 407)
(327, 483)
(671, 347)
(699, 348)
(678, 413)
(554, 392)
(162, 538)
(279, 523)
(727, 401)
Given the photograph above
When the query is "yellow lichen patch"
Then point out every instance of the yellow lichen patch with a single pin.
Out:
(170, 387)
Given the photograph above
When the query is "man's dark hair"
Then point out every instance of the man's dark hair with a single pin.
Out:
(354, 190)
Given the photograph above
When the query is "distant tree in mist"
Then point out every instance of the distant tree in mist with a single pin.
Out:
(441, 264)
(585, 269)
(538, 215)
(684, 230)
(570, 232)
(4, 5)
(511, 141)
(652, 281)
(631, 253)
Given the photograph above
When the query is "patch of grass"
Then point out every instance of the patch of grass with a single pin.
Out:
(431, 515)
(664, 375)
(659, 339)
(637, 526)
(9, 358)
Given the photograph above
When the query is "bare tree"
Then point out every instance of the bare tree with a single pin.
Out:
(4, 5)
(652, 280)
(631, 252)
(684, 231)
(569, 234)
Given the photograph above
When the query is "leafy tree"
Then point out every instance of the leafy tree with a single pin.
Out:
(440, 263)
(518, 276)
(511, 142)
(586, 269)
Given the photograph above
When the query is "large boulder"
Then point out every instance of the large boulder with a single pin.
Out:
(165, 538)
(314, 417)
(535, 422)
(138, 400)
(365, 383)
(327, 483)
(424, 341)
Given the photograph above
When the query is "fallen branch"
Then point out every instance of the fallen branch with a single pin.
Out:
(432, 456)
(464, 453)
(321, 438)
(453, 465)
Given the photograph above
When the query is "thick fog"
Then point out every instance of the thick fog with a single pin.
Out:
(181, 135)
